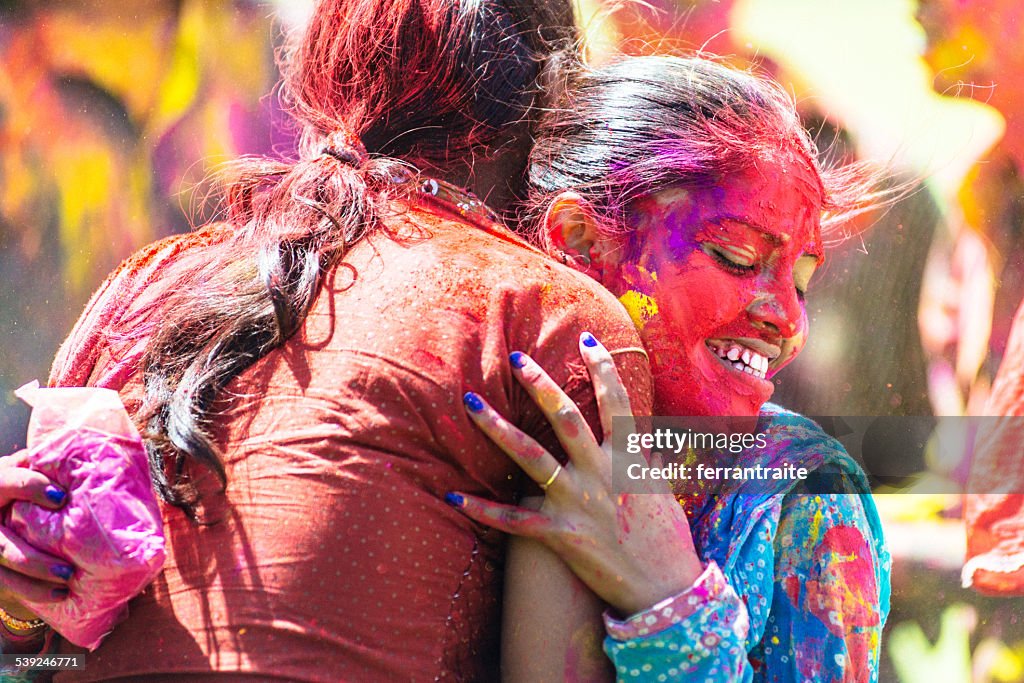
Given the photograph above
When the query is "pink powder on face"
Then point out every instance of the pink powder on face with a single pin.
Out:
(723, 263)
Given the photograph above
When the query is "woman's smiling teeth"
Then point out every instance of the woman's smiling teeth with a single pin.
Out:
(740, 357)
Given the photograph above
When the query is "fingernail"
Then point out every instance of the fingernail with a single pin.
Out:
(62, 571)
(517, 359)
(454, 499)
(473, 402)
(60, 593)
(588, 340)
(55, 495)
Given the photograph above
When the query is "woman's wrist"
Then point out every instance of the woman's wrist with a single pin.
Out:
(21, 633)
(709, 586)
(20, 626)
(37, 643)
(652, 592)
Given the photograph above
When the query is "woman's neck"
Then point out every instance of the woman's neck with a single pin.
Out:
(499, 180)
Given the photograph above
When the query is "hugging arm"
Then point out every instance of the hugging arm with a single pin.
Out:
(630, 550)
(633, 552)
(551, 620)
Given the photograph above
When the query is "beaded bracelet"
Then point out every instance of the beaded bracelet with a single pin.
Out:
(16, 627)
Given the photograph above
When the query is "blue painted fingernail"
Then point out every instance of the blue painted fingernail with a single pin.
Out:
(517, 359)
(55, 495)
(62, 571)
(588, 340)
(473, 402)
(60, 593)
(454, 499)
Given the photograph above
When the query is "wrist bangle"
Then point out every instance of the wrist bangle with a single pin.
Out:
(15, 625)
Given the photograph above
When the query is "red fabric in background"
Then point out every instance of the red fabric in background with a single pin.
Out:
(336, 557)
(995, 521)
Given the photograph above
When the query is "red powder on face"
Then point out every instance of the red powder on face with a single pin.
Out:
(721, 267)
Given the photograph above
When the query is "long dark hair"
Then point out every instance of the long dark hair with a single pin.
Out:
(375, 86)
(640, 124)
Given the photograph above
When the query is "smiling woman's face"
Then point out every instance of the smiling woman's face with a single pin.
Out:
(714, 278)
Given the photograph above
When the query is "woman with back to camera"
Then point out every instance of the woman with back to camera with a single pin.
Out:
(692, 192)
(305, 353)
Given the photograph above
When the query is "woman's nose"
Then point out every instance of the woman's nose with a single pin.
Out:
(777, 312)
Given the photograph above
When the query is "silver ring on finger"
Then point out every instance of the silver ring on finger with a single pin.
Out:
(551, 480)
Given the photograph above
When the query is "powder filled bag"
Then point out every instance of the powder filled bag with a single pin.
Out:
(110, 529)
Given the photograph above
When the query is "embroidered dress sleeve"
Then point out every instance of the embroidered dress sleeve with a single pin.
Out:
(696, 635)
(831, 595)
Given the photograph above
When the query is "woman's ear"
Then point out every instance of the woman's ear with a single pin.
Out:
(572, 229)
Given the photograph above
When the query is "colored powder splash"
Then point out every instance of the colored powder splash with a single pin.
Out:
(641, 308)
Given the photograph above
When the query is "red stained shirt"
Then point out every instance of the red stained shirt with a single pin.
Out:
(335, 556)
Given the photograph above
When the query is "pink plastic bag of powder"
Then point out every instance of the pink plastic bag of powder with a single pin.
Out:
(110, 529)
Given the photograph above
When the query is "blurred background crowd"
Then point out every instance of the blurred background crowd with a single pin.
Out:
(112, 114)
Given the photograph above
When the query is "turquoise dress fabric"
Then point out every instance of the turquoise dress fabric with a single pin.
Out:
(807, 565)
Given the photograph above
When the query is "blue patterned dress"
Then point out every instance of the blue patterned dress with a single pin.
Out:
(797, 581)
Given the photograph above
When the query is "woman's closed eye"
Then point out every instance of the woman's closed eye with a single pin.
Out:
(729, 259)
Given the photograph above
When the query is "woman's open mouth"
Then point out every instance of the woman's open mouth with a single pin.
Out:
(749, 356)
